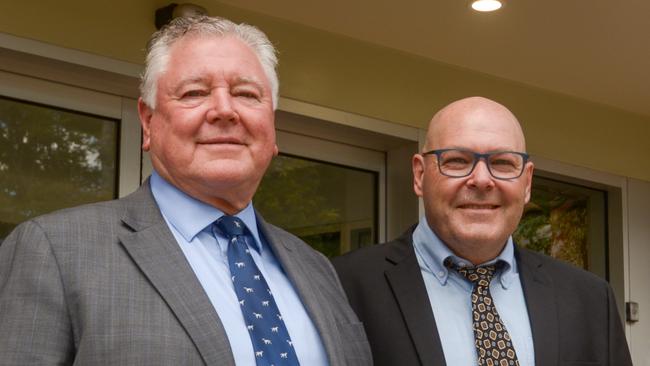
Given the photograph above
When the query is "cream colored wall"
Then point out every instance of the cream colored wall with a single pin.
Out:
(344, 74)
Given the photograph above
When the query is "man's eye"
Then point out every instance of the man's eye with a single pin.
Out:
(246, 94)
(503, 162)
(195, 93)
(455, 160)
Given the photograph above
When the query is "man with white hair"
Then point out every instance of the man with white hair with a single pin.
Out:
(183, 271)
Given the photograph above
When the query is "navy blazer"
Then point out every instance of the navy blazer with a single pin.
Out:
(573, 314)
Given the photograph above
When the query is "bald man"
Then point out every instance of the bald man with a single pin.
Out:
(454, 289)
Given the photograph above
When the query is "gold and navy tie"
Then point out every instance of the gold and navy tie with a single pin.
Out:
(268, 333)
(493, 344)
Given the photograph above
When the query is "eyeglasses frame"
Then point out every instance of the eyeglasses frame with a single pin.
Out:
(478, 157)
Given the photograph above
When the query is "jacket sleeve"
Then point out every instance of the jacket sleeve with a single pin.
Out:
(34, 322)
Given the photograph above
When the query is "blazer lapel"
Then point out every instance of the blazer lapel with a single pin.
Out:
(307, 281)
(156, 252)
(542, 308)
(405, 279)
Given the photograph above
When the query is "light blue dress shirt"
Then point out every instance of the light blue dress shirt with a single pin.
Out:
(190, 221)
(450, 297)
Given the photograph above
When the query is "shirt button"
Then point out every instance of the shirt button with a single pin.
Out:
(441, 274)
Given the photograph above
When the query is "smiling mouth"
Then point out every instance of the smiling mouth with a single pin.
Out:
(221, 141)
(478, 207)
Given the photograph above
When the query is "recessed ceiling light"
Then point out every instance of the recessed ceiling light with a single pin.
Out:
(486, 5)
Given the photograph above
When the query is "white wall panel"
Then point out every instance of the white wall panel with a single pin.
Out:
(639, 239)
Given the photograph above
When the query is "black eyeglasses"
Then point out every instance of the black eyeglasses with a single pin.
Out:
(459, 163)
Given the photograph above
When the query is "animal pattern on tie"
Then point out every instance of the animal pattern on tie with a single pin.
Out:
(266, 328)
(493, 343)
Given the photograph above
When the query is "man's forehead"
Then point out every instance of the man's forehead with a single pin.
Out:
(199, 77)
(475, 120)
(246, 69)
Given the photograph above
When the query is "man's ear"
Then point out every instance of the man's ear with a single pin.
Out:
(528, 175)
(145, 113)
(417, 163)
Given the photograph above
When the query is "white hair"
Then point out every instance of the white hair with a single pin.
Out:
(158, 50)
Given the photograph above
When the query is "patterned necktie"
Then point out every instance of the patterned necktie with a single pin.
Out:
(491, 338)
(269, 335)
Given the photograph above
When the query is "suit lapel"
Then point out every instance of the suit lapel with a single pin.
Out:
(307, 282)
(405, 279)
(156, 252)
(542, 307)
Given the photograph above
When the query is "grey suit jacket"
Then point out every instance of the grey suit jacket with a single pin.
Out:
(572, 313)
(107, 284)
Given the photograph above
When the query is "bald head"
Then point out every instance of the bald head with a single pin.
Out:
(473, 214)
(483, 116)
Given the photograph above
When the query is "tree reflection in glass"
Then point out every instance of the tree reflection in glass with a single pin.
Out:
(565, 221)
(52, 158)
(331, 207)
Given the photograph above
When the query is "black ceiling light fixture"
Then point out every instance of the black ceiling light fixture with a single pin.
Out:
(165, 14)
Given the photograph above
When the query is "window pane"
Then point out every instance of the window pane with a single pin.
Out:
(568, 222)
(52, 158)
(331, 207)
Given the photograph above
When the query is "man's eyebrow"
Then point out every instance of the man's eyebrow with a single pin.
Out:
(249, 80)
(189, 80)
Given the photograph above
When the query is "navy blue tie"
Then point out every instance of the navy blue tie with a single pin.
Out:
(269, 335)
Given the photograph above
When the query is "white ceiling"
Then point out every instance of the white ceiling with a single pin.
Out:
(597, 50)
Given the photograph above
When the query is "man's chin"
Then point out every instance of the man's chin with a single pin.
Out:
(222, 177)
(483, 234)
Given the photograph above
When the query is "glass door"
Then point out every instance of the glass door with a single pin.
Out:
(330, 206)
(60, 146)
(566, 221)
(329, 194)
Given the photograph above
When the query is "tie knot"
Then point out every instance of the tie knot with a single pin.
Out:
(477, 275)
(230, 226)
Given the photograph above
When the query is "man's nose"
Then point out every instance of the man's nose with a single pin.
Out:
(481, 177)
(221, 108)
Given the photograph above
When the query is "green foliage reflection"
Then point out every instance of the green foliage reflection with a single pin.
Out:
(321, 203)
(51, 159)
(555, 223)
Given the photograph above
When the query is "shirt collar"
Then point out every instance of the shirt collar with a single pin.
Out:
(433, 253)
(190, 216)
